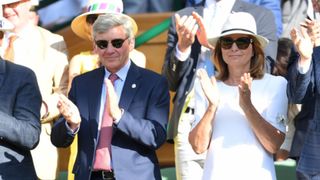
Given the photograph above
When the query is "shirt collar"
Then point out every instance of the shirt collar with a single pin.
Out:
(122, 73)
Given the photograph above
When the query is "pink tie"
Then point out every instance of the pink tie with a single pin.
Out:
(103, 152)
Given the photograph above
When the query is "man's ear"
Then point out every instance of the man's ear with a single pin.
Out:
(94, 48)
(132, 43)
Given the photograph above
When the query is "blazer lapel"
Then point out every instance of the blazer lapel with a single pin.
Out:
(130, 87)
(94, 97)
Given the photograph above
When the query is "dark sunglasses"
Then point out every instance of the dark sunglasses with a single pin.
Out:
(242, 43)
(116, 43)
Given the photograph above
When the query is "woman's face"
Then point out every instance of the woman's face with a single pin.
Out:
(237, 50)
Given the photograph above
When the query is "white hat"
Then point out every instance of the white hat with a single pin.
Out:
(79, 25)
(239, 23)
(8, 1)
(5, 25)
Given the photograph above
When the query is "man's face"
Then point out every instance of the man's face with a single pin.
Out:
(17, 13)
(113, 48)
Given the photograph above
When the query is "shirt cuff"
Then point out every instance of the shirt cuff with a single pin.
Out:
(303, 69)
(74, 132)
(182, 56)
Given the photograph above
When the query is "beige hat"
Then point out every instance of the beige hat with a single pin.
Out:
(79, 25)
(5, 25)
(239, 23)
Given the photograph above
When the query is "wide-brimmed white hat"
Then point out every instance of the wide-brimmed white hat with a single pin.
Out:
(239, 23)
(79, 25)
(5, 25)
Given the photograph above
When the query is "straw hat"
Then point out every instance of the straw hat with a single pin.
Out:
(5, 25)
(239, 23)
(79, 25)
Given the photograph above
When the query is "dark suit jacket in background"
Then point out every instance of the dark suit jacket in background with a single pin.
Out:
(300, 87)
(141, 130)
(20, 102)
(181, 75)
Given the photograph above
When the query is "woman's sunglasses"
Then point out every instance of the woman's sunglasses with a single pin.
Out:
(116, 43)
(242, 43)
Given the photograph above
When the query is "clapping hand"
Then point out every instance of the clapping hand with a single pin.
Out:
(209, 87)
(202, 33)
(186, 28)
(302, 42)
(112, 101)
(69, 111)
(245, 90)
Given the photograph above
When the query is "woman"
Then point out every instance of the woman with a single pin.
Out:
(243, 125)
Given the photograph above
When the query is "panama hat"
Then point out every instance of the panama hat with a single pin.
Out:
(239, 23)
(5, 25)
(79, 25)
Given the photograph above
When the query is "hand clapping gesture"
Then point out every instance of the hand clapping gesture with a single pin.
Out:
(302, 42)
(112, 101)
(245, 90)
(209, 87)
(202, 33)
(69, 111)
(186, 28)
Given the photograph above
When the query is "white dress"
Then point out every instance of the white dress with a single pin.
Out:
(235, 152)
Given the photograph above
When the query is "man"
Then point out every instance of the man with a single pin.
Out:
(184, 55)
(303, 88)
(19, 119)
(44, 53)
(137, 119)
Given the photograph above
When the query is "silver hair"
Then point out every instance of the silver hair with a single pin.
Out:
(106, 22)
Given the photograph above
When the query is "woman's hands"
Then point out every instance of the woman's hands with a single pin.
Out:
(209, 87)
(245, 91)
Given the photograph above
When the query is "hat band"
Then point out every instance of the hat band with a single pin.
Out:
(237, 29)
(104, 6)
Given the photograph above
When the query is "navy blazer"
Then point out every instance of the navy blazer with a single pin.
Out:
(181, 75)
(141, 130)
(300, 88)
(20, 103)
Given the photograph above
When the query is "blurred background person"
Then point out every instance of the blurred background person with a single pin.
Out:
(284, 55)
(61, 12)
(46, 54)
(147, 6)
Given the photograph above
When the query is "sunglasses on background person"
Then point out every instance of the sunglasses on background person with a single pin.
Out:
(116, 43)
(242, 43)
